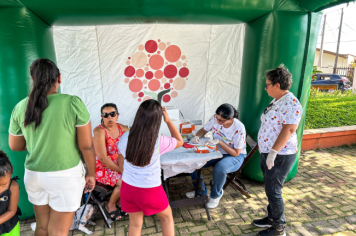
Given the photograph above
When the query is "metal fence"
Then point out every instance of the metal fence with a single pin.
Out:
(347, 71)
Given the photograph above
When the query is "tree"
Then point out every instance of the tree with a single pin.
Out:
(315, 70)
(157, 70)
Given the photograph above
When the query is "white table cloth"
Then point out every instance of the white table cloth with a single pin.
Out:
(183, 160)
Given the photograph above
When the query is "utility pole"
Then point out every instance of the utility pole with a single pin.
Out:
(338, 41)
(320, 63)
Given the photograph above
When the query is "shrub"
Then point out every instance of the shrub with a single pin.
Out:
(331, 109)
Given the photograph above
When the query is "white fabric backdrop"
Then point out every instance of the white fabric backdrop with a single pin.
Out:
(93, 59)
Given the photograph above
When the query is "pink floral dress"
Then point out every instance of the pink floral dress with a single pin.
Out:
(103, 174)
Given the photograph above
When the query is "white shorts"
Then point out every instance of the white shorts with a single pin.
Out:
(61, 190)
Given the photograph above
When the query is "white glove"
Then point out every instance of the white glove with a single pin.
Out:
(213, 142)
(270, 158)
(195, 140)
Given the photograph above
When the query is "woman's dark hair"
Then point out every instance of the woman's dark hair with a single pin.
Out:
(280, 75)
(144, 133)
(227, 111)
(5, 165)
(44, 74)
(113, 105)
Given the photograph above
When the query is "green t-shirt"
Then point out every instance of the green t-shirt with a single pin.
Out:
(53, 145)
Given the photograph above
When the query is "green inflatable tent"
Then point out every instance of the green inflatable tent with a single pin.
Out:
(277, 31)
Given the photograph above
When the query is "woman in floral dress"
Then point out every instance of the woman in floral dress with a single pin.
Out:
(109, 166)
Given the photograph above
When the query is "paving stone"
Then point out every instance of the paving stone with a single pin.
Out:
(120, 231)
(312, 229)
(351, 219)
(223, 228)
(320, 223)
(198, 228)
(328, 230)
(109, 231)
(148, 230)
(211, 233)
(184, 224)
(149, 222)
(236, 230)
(302, 231)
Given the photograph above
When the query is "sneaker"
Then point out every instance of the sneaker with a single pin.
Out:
(272, 231)
(265, 222)
(190, 194)
(213, 203)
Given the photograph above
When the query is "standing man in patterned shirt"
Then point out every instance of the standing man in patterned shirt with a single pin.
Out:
(278, 143)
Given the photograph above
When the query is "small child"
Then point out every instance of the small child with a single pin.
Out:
(142, 192)
(9, 199)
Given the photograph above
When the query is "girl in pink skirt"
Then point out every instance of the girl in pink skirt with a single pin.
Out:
(141, 190)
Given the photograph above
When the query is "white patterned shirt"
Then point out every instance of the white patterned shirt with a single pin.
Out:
(234, 136)
(286, 110)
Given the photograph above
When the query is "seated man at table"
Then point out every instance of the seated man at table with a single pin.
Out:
(229, 135)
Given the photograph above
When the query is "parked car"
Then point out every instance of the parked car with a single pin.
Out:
(327, 82)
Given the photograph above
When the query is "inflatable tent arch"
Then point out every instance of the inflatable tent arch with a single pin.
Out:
(277, 31)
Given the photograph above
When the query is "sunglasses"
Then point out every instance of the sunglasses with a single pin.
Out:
(266, 86)
(268, 108)
(106, 115)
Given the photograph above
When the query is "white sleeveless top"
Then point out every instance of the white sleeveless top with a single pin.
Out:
(148, 176)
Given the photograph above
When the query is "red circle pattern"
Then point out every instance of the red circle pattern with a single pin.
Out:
(170, 71)
(154, 85)
(151, 46)
(141, 94)
(167, 85)
(156, 62)
(135, 85)
(129, 71)
(149, 75)
(166, 98)
(184, 72)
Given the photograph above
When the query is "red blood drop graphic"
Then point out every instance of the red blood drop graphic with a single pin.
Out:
(141, 94)
(129, 71)
(167, 85)
(149, 75)
(151, 46)
(170, 71)
(184, 72)
(166, 98)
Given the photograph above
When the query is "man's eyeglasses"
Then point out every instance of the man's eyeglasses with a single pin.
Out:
(266, 86)
(268, 108)
(106, 115)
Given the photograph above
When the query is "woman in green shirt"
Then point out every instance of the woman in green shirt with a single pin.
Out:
(55, 129)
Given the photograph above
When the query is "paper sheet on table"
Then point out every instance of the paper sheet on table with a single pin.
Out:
(183, 160)
(202, 141)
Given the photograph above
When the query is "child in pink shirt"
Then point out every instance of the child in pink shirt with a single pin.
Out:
(141, 147)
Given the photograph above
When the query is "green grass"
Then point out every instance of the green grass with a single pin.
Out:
(330, 109)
